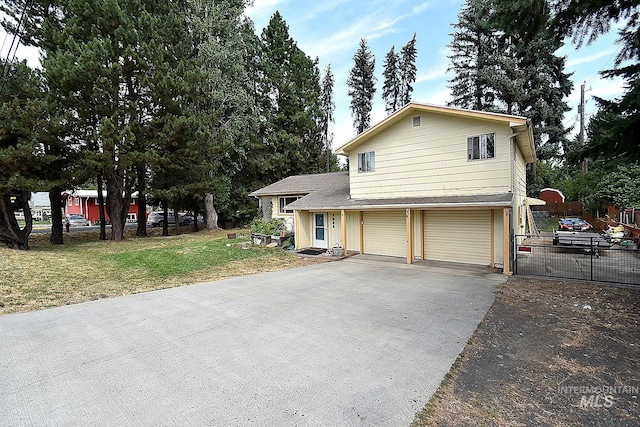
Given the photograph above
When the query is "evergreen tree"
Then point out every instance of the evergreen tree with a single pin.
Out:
(391, 87)
(361, 82)
(110, 62)
(23, 161)
(615, 128)
(513, 69)
(472, 46)
(291, 90)
(224, 98)
(407, 70)
(328, 106)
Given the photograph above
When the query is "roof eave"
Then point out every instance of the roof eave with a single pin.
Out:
(482, 115)
(502, 204)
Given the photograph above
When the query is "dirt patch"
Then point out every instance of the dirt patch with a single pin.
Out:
(547, 353)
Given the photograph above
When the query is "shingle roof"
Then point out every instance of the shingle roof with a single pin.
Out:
(338, 198)
(330, 191)
(304, 184)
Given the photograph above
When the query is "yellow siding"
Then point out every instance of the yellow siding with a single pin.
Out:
(519, 192)
(458, 236)
(431, 160)
(304, 231)
(385, 233)
(353, 231)
(334, 230)
(498, 236)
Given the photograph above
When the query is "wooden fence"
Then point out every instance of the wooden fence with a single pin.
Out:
(561, 209)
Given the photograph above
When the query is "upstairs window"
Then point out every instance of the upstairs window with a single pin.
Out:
(417, 121)
(481, 147)
(367, 161)
(284, 201)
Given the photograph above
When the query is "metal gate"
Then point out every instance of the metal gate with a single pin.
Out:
(536, 256)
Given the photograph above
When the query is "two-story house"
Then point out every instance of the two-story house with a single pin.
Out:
(85, 203)
(428, 182)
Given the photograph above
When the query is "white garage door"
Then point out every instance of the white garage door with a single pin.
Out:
(458, 236)
(385, 233)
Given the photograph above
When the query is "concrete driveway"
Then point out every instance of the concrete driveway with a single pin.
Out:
(356, 342)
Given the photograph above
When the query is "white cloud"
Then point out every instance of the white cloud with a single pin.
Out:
(421, 8)
(369, 27)
(436, 73)
(324, 6)
(593, 57)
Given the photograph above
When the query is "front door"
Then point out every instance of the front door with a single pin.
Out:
(320, 230)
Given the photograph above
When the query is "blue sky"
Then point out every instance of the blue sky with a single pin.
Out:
(332, 29)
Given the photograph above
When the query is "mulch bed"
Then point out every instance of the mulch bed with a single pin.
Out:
(547, 353)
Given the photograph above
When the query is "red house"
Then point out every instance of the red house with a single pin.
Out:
(85, 202)
(551, 196)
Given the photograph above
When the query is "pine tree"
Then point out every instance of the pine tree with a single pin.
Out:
(391, 87)
(23, 162)
(513, 69)
(614, 129)
(223, 97)
(328, 106)
(361, 82)
(111, 64)
(407, 70)
(291, 90)
(472, 46)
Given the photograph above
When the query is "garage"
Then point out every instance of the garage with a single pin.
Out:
(458, 236)
(385, 233)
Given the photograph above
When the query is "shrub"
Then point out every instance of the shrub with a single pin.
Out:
(271, 227)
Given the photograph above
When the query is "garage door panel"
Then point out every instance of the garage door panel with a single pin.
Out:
(385, 233)
(458, 236)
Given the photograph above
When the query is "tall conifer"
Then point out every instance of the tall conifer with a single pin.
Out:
(361, 84)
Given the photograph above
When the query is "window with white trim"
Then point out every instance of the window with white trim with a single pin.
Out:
(367, 161)
(417, 121)
(284, 201)
(481, 147)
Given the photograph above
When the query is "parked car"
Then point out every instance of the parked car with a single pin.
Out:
(76, 220)
(188, 219)
(573, 224)
(156, 219)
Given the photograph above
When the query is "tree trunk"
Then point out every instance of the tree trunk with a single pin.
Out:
(28, 219)
(103, 219)
(141, 231)
(165, 217)
(211, 216)
(196, 212)
(177, 218)
(10, 232)
(115, 202)
(56, 201)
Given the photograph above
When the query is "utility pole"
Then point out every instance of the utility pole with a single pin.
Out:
(585, 165)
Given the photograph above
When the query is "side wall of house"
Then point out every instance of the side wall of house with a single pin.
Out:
(519, 189)
(305, 229)
(271, 209)
(431, 159)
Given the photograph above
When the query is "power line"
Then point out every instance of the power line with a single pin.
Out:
(614, 53)
(15, 42)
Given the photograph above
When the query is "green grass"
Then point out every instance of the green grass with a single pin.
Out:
(85, 268)
(183, 258)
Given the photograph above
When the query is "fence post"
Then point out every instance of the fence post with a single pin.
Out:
(514, 247)
(592, 249)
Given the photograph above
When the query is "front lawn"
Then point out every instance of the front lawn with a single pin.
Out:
(85, 269)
